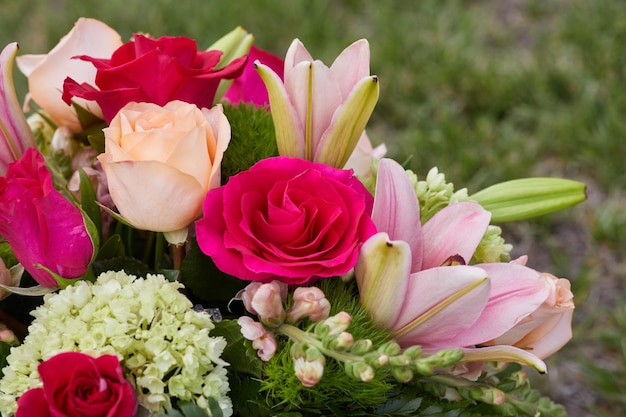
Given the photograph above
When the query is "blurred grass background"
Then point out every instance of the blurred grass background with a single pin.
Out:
(486, 91)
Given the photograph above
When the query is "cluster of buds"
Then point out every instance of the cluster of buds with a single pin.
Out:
(327, 337)
(404, 365)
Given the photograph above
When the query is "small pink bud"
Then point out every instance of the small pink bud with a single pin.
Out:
(267, 301)
(309, 372)
(337, 323)
(7, 336)
(262, 340)
(308, 302)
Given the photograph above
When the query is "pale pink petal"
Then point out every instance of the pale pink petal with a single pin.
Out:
(361, 159)
(45, 80)
(296, 54)
(222, 133)
(516, 291)
(455, 230)
(351, 66)
(440, 303)
(396, 209)
(550, 337)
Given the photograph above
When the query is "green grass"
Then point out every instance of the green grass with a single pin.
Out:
(486, 91)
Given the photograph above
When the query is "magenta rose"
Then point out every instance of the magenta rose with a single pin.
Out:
(41, 226)
(78, 385)
(155, 71)
(286, 219)
(249, 87)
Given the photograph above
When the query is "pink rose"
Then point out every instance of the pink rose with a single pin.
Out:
(154, 71)
(249, 87)
(46, 72)
(77, 385)
(41, 226)
(286, 219)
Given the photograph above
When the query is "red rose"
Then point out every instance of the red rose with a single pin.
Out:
(287, 219)
(78, 385)
(155, 71)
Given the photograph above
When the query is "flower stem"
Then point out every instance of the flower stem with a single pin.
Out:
(298, 335)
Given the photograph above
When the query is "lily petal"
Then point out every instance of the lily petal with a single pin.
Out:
(516, 291)
(351, 66)
(440, 303)
(502, 353)
(296, 54)
(455, 230)
(396, 209)
(348, 123)
(289, 130)
(15, 134)
(382, 272)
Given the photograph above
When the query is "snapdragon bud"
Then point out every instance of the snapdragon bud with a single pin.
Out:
(267, 302)
(308, 302)
(309, 368)
(413, 352)
(376, 359)
(342, 342)
(402, 374)
(333, 326)
(390, 348)
(489, 395)
(361, 347)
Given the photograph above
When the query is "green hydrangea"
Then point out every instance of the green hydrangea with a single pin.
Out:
(163, 344)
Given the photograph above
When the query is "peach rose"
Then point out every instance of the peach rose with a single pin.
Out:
(161, 161)
(46, 72)
(549, 328)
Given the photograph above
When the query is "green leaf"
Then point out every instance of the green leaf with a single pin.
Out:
(112, 248)
(190, 409)
(206, 281)
(5, 350)
(241, 358)
(88, 201)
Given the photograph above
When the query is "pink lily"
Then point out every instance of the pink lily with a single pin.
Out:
(15, 134)
(415, 281)
(319, 112)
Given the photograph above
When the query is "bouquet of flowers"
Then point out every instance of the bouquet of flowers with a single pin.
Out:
(191, 232)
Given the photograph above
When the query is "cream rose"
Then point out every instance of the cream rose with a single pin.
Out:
(46, 72)
(161, 161)
(549, 328)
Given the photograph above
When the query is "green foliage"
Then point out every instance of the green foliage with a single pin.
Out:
(252, 138)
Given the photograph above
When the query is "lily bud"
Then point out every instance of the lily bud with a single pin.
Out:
(234, 44)
(529, 197)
